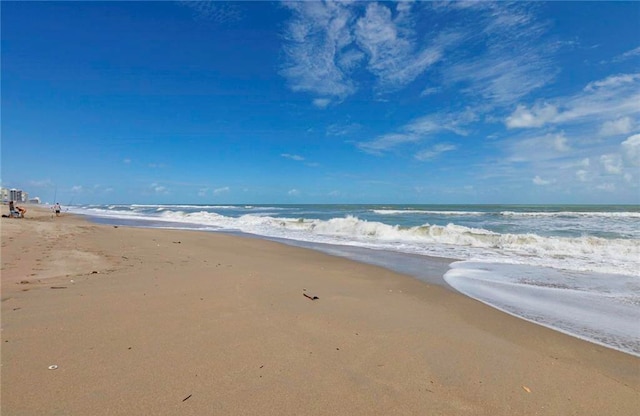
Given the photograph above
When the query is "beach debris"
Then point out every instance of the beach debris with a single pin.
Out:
(177, 242)
(53, 367)
(310, 297)
(24, 282)
(187, 398)
(58, 287)
(527, 389)
(15, 309)
(94, 272)
(115, 226)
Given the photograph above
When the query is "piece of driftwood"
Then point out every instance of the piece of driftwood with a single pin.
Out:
(310, 297)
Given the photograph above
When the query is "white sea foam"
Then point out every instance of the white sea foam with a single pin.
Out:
(421, 211)
(578, 214)
(586, 253)
(572, 302)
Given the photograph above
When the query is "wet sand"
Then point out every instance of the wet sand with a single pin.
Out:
(162, 322)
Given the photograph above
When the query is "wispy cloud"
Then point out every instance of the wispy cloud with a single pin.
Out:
(605, 100)
(221, 190)
(316, 37)
(435, 151)
(421, 129)
(623, 125)
(635, 52)
(327, 42)
(537, 180)
(158, 189)
(292, 157)
(321, 102)
(394, 56)
(503, 76)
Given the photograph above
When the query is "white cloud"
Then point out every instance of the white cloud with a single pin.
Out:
(389, 42)
(76, 188)
(292, 157)
(126, 161)
(435, 151)
(629, 54)
(516, 60)
(612, 98)
(537, 116)
(607, 187)
(430, 91)
(612, 163)
(343, 130)
(321, 102)
(158, 189)
(293, 192)
(218, 191)
(560, 143)
(325, 42)
(504, 76)
(315, 37)
(537, 148)
(623, 125)
(582, 175)
(203, 191)
(631, 150)
(612, 81)
(537, 180)
(420, 129)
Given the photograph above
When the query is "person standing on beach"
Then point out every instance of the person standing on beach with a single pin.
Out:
(56, 208)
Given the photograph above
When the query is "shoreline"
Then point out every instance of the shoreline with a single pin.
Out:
(412, 264)
(433, 270)
(170, 313)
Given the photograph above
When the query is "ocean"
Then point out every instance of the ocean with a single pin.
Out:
(573, 268)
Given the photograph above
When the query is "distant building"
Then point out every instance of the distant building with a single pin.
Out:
(17, 195)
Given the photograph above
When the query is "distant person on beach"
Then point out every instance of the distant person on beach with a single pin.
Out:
(56, 208)
(13, 208)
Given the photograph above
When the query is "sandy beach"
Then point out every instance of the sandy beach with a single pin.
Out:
(164, 322)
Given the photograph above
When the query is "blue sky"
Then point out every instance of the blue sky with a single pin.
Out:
(321, 102)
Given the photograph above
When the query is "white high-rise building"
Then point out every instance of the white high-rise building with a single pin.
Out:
(15, 195)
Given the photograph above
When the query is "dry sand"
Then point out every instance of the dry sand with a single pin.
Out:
(158, 322)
